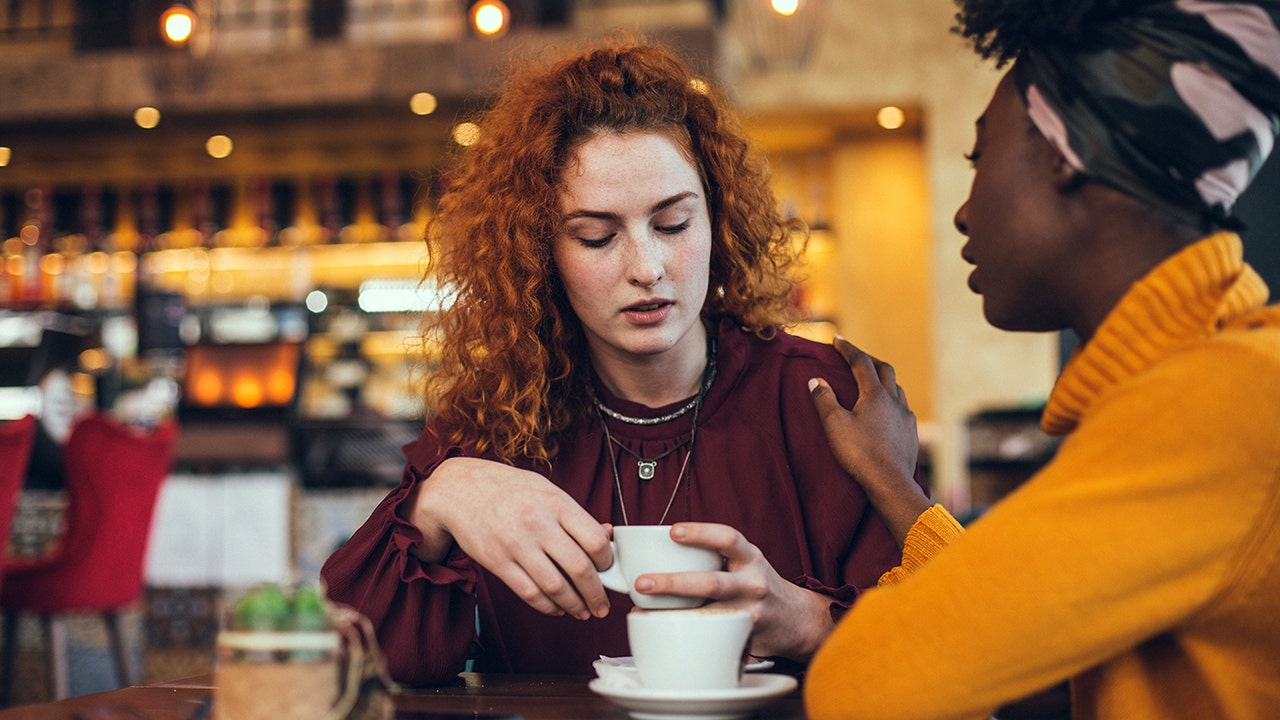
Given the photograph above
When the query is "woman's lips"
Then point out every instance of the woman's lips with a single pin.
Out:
(647, 313)
(973, 276)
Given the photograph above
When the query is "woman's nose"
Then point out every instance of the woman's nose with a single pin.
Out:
(644, 262)
(961, 219)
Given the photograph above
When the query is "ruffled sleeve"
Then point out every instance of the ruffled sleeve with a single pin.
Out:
(423, 613)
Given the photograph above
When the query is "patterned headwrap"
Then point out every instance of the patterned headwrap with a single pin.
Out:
(1175, 104)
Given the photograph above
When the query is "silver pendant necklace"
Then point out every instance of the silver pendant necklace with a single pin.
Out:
(645, 467)
(675, 490)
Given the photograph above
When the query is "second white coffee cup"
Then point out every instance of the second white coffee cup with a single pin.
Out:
(641, 549)
(698, 649)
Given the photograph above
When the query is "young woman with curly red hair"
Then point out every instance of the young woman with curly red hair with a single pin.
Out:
(614, 355)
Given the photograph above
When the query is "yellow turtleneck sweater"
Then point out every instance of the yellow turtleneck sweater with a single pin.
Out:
(1143, 562)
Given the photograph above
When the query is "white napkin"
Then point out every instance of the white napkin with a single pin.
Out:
(617, 672)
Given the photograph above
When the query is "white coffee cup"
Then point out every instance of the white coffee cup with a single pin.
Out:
(698, 649)
(641, 549)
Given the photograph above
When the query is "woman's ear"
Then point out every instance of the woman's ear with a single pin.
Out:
(1067, 177)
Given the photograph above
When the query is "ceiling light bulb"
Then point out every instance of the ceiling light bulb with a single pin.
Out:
(177, 24)
(786, 7)
(490, 17)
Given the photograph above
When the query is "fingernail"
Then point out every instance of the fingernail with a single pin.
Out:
(813, 383)
(602, 610)
(679, 532)
(644, 585)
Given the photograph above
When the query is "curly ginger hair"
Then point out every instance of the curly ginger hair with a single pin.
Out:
(512, 355)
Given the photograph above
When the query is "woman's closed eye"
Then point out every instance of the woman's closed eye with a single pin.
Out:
(672, 229)
(596, 242)
(590, 232)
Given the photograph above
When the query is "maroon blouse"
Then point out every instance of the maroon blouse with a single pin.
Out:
(761, 465)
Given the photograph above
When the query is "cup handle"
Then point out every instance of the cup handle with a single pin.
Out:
(611, 577)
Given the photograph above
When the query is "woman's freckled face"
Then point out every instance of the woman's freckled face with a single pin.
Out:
(634, 252)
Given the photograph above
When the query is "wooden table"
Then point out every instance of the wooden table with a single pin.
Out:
(475, 696)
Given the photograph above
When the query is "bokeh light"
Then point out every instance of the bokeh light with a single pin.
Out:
(490, 17)
(423, 103)
(786, 7)
(177, 24)
(146, 117)
(466, 134)
(890, 117)
(218, 146)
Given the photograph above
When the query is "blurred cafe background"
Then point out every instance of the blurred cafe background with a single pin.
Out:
(211, 212)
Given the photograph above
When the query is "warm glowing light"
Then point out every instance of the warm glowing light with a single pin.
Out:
(96, 262)
(699, 86)
(197, 267)
(423, 103)
(490, 17)
(786, 7)
(177, 24)
(30, 234)
(146, 117)
(5, 155)
(466, 134)
(280, 387)
(95, 359)
(890, 117)
(123, 262)
(207, 389)
(53, 264)
(83, 384)
(247, 392)
(224, 283)
(218, 146)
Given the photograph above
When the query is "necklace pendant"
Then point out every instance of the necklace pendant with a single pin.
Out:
(645, 468)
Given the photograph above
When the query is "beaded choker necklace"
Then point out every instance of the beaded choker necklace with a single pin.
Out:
(708, 376)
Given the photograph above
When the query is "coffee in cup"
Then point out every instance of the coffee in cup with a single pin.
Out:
(696, 649)
(642, 549)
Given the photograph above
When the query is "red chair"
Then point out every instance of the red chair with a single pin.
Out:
(16, 437)
(113, 475)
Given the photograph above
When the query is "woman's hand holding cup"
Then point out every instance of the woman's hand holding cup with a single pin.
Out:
(647, 549)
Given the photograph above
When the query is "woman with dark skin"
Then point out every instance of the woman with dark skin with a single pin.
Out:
(1142, 564)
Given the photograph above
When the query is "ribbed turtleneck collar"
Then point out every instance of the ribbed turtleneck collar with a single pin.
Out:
(1187, 297)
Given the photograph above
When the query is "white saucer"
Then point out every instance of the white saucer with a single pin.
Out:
(628, 661)
(645, 704)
